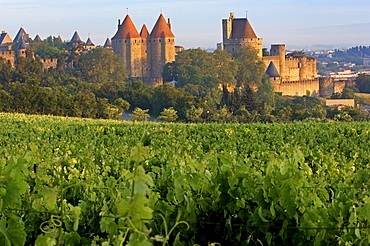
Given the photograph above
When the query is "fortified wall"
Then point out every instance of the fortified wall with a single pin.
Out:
(9, 56)
(49, 63)
(298, 88)
(294, 76)
(329, 86)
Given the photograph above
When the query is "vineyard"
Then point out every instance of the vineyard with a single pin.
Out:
(70, 181)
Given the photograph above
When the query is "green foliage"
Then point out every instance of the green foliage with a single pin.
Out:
(69, 181)
(122, 104)
(194, 114)
(45, 50)
(168, 115)
(363, 83)
(26, 69)
(137, 93)
(102, 65)
(251, 68)
(140, 114)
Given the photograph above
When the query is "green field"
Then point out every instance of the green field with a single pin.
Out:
(70, 181)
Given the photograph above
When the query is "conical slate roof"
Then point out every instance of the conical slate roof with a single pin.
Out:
(89, 42)
(144, 33)
(126, 30)
(161, 29)
(60, 38)
(271, 71)
(37, 38)
(5, 38)
(242, 29)
(23, 45)
(108, 43)
(75, 38)
(21, 33)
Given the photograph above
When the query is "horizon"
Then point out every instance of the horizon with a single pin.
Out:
(197, 24)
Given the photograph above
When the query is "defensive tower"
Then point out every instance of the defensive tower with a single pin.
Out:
(144, 54)
(237, 33)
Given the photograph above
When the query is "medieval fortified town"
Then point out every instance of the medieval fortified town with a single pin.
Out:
(145, 53)
(140, 142)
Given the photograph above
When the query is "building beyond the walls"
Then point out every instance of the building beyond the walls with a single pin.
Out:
(295, 75)
(144, 54)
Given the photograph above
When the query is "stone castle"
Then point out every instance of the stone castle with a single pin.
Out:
(10, 49)
(23, 49)
(294, 75)
(144, 54)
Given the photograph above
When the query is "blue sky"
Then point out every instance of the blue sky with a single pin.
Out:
(299, 24)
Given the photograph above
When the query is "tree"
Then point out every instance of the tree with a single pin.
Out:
(194, 114)
(170, 71)
(5, 71)
(168, 115)
(226, 67)
(198, 58)
(249, 99)
(123, 105)
(45, 50)
(139, 114)
(363, 83)
(189, 74)
(265, 93)
(26, 69)
(251, 68)
(137, 93)
(164, 96)
(318, 112)
(222, 115)
(101, 65)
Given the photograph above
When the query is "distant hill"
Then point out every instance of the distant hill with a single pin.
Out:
(331, 37)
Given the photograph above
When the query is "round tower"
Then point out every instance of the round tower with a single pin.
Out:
(24, 49)
(127, 44)
(279, 51)
(161, 49)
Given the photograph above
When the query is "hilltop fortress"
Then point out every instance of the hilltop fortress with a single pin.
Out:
(144, 54)
(294, 75)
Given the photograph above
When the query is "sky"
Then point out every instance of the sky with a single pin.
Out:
(300, 24)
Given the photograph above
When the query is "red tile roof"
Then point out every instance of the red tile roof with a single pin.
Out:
(127, 30)
(144, 33)
(161, 29)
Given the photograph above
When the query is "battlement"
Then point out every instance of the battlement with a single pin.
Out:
(7, 53)
(49, 63)
(9, 56)
(299, 81)
(308, 59)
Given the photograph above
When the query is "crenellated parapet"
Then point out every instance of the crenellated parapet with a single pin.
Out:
(9, 56)
(49, 63)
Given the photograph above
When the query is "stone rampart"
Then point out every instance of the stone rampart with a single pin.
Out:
(298, 88)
